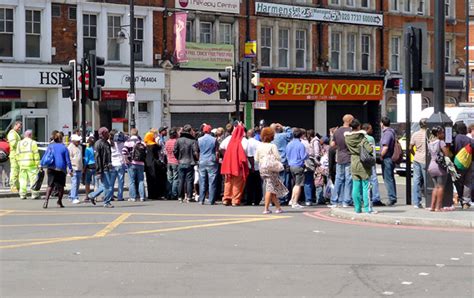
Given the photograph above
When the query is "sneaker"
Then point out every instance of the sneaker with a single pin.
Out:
(267, 212)
(308, 204)
(419, 206)
(391, 203)
(278, 211)
(22, 198)
(345, 206)
(108, 206)
(132, 200)
(180, 200)
(142, 199)
(92, 201)
(466, 206)
(296, 206)
(378, 204)
(372, 212)
(75, 201)
(332, 206)
(201, 202)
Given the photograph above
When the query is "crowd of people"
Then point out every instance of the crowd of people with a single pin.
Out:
(278, 164)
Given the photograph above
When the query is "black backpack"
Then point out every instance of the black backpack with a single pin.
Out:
(3, 156)
(139, 152)
(366, 158)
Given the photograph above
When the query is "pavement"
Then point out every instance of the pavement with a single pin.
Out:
(400, 214)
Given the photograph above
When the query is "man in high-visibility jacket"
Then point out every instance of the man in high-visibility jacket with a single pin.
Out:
(14, 138)
(28, 159)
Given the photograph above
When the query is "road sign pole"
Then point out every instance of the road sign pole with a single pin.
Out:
(83, 98)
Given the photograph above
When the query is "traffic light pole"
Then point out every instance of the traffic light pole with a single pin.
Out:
(407, 85)
(237, 92)
(132, 63)
(83, 99)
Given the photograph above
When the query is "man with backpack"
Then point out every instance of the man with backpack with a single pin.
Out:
(134, 151)
(388, 142)
(4, 161)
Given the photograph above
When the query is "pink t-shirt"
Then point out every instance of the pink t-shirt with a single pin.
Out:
(169, 147)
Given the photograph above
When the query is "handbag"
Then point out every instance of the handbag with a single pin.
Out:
(270, 164)
(48, 158)
(366, 157)
(39, 181)
(440, 157)
(463, 159)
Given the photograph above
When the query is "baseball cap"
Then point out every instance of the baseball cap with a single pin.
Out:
(162, 128)
(76, 138)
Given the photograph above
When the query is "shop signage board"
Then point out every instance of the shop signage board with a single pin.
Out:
(209, 56)
(208, 86)
(49, 76)
(318, 14)
(319, 89)
(227, 6)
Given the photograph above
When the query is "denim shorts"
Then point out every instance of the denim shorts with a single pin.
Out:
(89, 178)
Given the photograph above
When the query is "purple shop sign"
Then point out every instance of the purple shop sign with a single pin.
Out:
(9, 94)
(208, 86)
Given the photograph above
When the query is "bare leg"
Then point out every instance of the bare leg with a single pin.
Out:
(275, 201)
(268, 198)
(88, 190)
(440, 198)
(433, 198)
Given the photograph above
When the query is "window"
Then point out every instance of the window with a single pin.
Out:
(206, 32)
(189, 31)
(351, 49)
(113, 47)
(335, 50)
(407, 6)
(350, 2)
(89, 25)
(33, 33)
(300, 48)
(266, 46)
(421, 8)
(6, 32)
(335, 2)
(138, 47)
(395, 56)
(394, 4)
(283, 45)
(447, 57)
(55, 10)
(225, 33)
(365, 48)
(447, 8)
(365, 3)
(72, 12)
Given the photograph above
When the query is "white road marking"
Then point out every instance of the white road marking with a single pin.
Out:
(440, 265)
(387, 293)
(407, 283)
(468, 253)
(423, 274)
(455, 259)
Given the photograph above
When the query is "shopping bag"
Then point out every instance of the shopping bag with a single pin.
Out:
(39, 181)
(463, 159)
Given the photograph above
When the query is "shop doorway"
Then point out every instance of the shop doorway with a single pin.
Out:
(38, 125)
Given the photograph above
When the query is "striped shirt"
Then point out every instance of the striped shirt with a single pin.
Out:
(169, 147)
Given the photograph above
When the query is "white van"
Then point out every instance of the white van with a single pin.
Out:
(465, 114)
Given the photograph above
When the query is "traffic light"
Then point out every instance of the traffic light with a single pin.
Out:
(414, 40)
(69, 82)
(248, 89)
(95, 71)
(225, 84)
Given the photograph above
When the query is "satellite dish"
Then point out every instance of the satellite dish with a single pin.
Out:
(121, 37)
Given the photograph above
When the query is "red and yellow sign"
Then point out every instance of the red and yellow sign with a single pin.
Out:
(319, 89)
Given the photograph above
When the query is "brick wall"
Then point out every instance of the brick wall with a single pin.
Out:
(64, 36)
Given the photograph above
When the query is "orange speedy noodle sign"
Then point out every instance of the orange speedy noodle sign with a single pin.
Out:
(319, 89)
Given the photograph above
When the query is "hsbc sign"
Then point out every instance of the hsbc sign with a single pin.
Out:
(228, 6)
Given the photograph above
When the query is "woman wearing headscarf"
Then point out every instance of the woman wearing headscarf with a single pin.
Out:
(235, 168)
(151, 165)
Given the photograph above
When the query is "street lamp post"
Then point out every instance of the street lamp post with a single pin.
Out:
(132, 64)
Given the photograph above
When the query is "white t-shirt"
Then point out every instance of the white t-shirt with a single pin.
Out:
(226, 141)
(252, 149)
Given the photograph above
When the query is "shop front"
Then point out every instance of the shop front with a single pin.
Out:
(194, 99)
(318, 103)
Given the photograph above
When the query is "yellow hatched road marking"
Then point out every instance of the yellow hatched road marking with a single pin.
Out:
(111, 226)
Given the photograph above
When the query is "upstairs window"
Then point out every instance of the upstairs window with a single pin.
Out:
(225, 33)
(335, 50)
(113, 47)
(89, 25)
(351, 49)
(365, 51)
(206, 32)
(395, 55)
(283, 47)
(33, 33)
(266, 46)
(300, 47)
(138, 47)
(6, 32)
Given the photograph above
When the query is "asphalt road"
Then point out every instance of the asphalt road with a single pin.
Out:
(170, 249)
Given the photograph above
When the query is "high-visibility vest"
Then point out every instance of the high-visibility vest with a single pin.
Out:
(27, 154)
(13, 139)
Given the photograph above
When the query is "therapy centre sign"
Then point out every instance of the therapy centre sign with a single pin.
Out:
(318, 14)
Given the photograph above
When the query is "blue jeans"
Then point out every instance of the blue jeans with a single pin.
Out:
(75, 183)
(388, 167)
(118, 172)
(309, 188)
(343, 185)
(173, 181)
(103, 186)
(419, 180)
(320, 195)
(207, 177)
(285, 177)
(186, 180)
(374, 186)
(137, 175)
